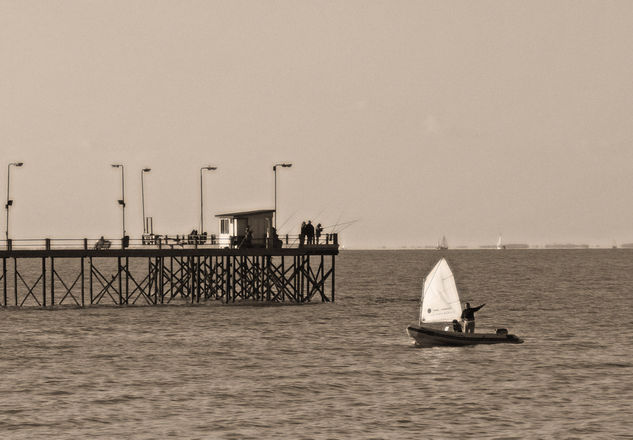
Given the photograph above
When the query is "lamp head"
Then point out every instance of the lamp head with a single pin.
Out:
(116, 165)
(18, 164)
(210, 168)
(147, 170)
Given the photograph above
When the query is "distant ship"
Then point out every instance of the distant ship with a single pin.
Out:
(566, 246)
(506, 246)
(442, 244)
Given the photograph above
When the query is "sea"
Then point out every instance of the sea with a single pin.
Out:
(342, 370)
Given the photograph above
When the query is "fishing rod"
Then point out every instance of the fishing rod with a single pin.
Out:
(348, 224)
(320, 212)
(337, 221)
(335, 225)
(287, 220)
(293, 215)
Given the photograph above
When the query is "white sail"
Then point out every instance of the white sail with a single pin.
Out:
(440, 299)
(499, 244)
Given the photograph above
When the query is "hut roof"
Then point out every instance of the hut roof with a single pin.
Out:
(243, 214)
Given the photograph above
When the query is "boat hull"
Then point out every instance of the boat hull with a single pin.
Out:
(430, 337)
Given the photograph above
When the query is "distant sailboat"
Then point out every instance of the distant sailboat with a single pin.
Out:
(442, 244)
(499, 244)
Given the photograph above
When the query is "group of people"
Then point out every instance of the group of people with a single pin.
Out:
(195, 237)
(309, 233)
(468, 318)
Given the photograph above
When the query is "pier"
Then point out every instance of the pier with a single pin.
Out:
(160, 270)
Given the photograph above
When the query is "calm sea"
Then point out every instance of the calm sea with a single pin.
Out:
(342, 370)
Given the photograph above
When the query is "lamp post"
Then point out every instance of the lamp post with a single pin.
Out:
(208, 168)
(9, 201)
(122, 200)
(143, 171)
(284, 165)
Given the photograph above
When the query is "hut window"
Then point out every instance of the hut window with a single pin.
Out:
(224, 226)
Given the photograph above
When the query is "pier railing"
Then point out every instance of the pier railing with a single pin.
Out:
(186, 241)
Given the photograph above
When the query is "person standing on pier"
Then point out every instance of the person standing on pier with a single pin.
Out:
(318, 231)
(247, 241)
(310, 232)
(468, 316)
(302, 234)
(275, 241)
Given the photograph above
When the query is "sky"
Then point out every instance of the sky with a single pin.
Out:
(404, 120)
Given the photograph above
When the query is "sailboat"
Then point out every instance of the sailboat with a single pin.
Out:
(500, 245)
(442, 244)
(440, 306)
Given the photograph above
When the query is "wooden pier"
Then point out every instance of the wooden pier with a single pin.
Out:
(152, 275)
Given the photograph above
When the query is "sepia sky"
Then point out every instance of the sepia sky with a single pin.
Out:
(416, 118)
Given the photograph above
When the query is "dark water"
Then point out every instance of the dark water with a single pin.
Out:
(343, 370)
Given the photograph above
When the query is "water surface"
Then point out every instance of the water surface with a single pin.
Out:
(342, 370)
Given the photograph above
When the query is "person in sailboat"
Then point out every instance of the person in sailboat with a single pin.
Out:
(468, 316)
(457, 327)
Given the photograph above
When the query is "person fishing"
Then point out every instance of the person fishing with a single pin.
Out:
(302, 234)
(247, 241)
(317, 232)
(468, 316)
(310, 232)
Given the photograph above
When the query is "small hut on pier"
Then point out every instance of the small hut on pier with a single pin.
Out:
(233, 227)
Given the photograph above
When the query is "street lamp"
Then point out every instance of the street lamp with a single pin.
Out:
(143, 171)
(122, 200)
(284, 165)
(208, 168)
(9, 201)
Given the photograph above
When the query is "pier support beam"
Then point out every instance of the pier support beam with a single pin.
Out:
(162, 276)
